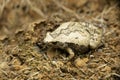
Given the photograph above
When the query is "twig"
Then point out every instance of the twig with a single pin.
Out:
(92, 77)
(110, 32)
(66, 9)
(100, 17)
(2, 6)
(105, 11)
(38, 11)
(112, 74)
(101, 66)
(115, 74)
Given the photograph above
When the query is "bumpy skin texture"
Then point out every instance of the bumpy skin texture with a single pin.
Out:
(77, 36)
(78, 33)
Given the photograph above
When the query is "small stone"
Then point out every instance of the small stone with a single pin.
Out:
(92, 56)
(92, 65)
(2, 37)
(3, 65)
(57, 63)
(106, 69)
(80, 62)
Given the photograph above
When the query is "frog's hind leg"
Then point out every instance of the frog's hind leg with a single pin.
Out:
(71, 53)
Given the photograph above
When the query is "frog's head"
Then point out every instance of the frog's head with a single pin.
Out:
(96, 37)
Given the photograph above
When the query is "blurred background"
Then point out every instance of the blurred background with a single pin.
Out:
(16, 13)
(20, 59)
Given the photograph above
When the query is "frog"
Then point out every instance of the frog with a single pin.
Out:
(74, 38)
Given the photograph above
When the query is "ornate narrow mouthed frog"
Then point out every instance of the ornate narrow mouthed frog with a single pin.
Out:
(75, 37)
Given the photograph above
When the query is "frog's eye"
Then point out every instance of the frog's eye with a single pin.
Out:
(95, 41)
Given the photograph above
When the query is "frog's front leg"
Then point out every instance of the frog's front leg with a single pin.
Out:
(71, 53)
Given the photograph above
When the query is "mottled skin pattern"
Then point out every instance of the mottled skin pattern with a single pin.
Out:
(74, 37)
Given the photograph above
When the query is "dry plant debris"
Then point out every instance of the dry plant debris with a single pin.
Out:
(25, 23)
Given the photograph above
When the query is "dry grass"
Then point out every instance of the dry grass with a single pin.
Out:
(3, 3)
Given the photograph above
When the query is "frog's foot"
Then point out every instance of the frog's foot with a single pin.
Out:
(71, 53)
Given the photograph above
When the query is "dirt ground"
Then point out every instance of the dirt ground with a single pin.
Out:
(23, 23)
